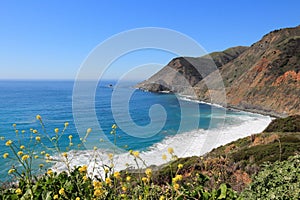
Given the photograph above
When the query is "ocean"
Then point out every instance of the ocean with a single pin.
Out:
(147, 122)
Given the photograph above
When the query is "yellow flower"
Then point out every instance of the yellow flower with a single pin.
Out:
(38, 117)
(20, 153)
(106, 170)
(66, 124)
(47, 155)
(18, 191)
(83, 169)
(65, 154)
(145, 179)
(61, 191)
(11, 171)
(124, 188)
(36, 156)
(89, 130)
(77, 198)
(176, 186)
(41, 165)
(136, 154)
(22, 147)
(43, 152)
(114, 126)
(70, 137)
(164, 157)
(128, 178)
(56, 130)
(5, 155)
(8, 143)
(2, 138)
(25, 157)
(123, 195)
(170, 150)
(108, 181)
(85, 178)
(177, 178)
(14, 125)
(23, 131)
(98, 193)
(35, 131)
(17, 131)
(162, 198)
(49, 172)
(95, 148)
(55, 196)
(38, 138)
(97, 184)
(180, 166)
(148, 172)
(117, 175)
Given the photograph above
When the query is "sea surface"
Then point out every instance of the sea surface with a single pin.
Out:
(151, 124)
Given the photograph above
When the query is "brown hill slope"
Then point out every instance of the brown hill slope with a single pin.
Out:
(266, 77)
(183, 72)
(263, 78)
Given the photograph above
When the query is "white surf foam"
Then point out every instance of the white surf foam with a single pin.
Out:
(193, 143)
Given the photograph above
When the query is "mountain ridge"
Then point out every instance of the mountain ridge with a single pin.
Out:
(262, 78)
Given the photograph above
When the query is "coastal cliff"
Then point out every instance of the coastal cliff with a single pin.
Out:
(185, 72)
(264, 77)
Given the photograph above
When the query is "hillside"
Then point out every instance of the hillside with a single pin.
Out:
(236, 163)
(183, 72)
(266, 77)
(263, 78)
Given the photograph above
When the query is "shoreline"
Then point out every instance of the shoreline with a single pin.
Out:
(227, 107)
(198, 143)
(234, 108)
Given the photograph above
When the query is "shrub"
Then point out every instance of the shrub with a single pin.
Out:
(280, 180)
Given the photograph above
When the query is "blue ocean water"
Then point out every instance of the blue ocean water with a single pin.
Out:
(21, 101)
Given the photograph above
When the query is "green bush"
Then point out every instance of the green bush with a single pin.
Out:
(288, 124)
(280, 180)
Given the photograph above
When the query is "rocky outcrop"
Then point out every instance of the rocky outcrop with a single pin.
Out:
(266, 77)
(182, 73)
(262, 78)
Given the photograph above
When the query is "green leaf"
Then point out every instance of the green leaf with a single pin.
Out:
(223, 188)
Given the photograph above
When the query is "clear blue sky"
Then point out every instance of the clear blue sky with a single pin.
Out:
(50, 39)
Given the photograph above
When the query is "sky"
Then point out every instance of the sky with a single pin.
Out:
(51, 39)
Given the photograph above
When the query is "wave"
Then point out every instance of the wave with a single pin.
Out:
(192, 99)
(192, 143)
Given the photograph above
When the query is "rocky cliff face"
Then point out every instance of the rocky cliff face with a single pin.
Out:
(182, 73)
(266, 77)
(262, 78)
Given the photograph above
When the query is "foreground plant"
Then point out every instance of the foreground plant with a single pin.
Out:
(76, 183)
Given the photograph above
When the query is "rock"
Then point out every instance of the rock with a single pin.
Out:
(262, 78)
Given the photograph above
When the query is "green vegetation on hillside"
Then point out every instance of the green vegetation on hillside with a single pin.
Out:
(280, 180)
(289, 124)
(261, 166)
